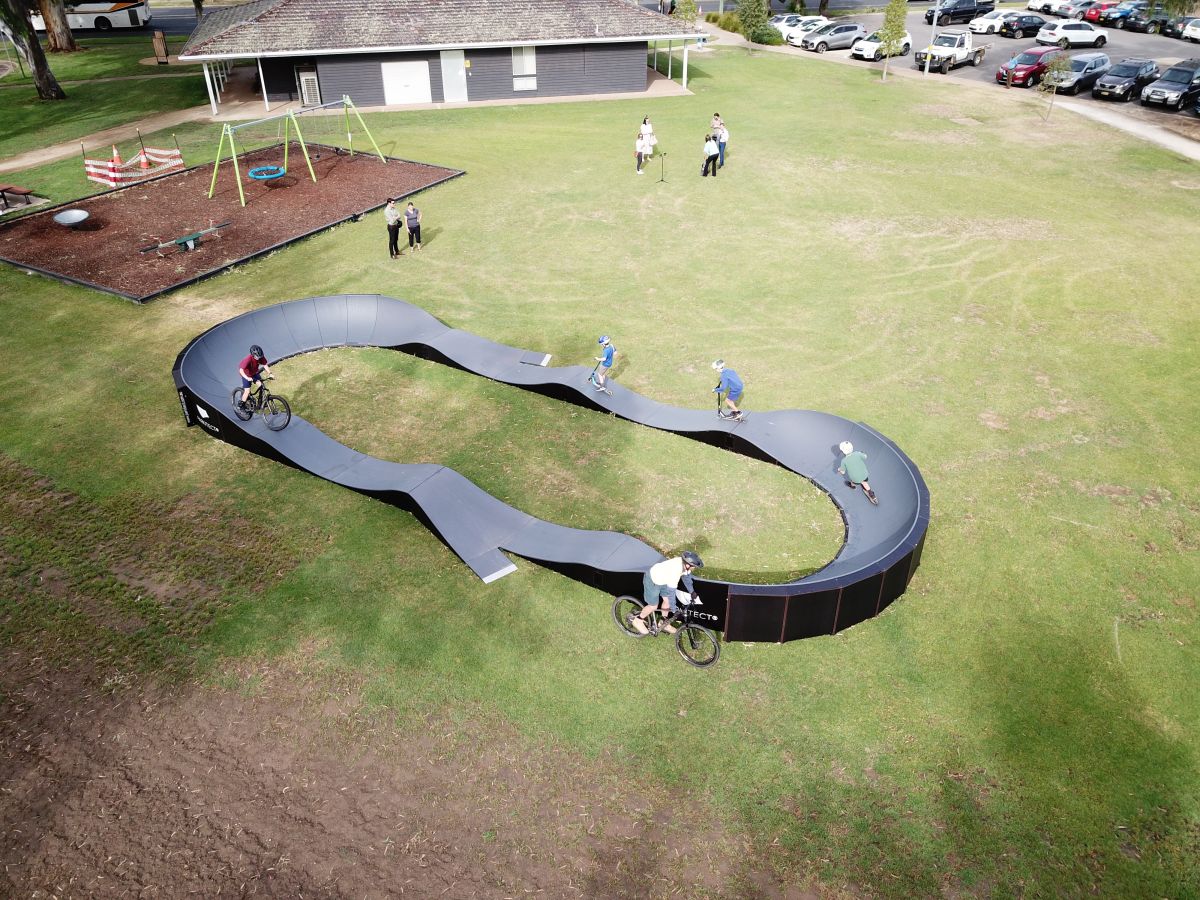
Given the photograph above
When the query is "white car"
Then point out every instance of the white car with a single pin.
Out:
(1053, 7)
(789, 25)
(1191, 31)
(1035, 5)
(988, 23)
(871, 47)
(797, 34)
(1072, 34)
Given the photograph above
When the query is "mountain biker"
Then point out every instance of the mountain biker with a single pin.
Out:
(249, 369)
(731, 383)
(660, 583)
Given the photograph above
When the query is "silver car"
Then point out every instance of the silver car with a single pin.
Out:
(834, 36)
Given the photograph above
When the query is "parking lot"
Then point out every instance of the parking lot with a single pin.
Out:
(1121, 44)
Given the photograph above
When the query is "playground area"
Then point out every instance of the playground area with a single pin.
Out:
(116, 248)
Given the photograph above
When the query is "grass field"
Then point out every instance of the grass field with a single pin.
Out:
(1021, 722)
(27, 123)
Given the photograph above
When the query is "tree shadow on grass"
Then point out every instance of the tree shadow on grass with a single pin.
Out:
(1063, 786)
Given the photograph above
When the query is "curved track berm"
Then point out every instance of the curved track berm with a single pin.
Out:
(882, 546)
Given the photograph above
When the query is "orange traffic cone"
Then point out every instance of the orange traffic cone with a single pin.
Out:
(116, 158)
(143, 160)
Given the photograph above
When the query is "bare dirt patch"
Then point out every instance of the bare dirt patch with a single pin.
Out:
(104, 250)
(284, 786)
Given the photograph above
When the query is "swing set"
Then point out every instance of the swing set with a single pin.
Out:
(235, 136)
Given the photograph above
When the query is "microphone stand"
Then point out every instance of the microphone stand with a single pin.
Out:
(662, 168)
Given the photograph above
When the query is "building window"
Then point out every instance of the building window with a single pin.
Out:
(524, 69)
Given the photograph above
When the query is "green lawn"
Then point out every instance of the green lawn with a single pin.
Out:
(1021, 722)
(106, 58)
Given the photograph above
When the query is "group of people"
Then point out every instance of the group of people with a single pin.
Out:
(715, 143)
(714, 146)
(411, 218)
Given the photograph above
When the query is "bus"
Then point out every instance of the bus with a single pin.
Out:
(102, 16)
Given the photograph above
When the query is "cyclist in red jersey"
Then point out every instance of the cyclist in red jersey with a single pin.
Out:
(249, 369)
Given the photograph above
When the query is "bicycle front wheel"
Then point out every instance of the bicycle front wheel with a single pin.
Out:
(242, 413)
(698, 645)
(277, 412)
(623, 611)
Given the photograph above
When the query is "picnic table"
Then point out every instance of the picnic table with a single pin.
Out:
(6, 189)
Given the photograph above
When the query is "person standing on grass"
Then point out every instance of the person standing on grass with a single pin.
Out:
(854, 467)
(731, 385)
(598, 377)
(412, 219)
(711, 153)
(641, 149)
(715, 125)
(392, 216)
(722, 140)
(647, 132)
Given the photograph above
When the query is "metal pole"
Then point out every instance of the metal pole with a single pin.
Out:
(685, 53)
(262, 80)
(670, 59)
(212, 100)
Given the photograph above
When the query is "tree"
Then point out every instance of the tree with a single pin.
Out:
(1058, 67)
(59, 38)
(199, 5)
(687, 11)
(15, 15)
(891, 33)
(753, 15)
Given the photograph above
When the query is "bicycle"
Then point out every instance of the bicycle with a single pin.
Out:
(695, 643)
(276, 411)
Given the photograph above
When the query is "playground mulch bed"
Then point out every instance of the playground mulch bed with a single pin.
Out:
(104, 252)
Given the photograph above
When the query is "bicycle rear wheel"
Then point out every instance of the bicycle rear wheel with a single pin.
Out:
(277, 412)
(243, 414)
(698, 645)
(623, 609)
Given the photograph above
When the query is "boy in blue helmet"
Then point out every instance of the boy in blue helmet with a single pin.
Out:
(598, 377)
(730, 385)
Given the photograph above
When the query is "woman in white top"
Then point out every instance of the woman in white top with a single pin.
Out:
(641, 149)
(647, 132)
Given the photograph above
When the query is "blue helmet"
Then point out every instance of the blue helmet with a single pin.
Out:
(603, 339)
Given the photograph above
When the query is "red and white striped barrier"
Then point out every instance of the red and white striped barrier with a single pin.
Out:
(114, 173)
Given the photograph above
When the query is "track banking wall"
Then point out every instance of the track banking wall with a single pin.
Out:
(882, 546)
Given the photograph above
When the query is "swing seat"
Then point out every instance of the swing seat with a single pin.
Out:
(267, 173)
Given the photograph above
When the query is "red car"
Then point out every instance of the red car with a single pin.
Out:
(1093, 12)
(1028, 66)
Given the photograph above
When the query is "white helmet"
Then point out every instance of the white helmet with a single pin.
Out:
(846, 447)
(718, 364)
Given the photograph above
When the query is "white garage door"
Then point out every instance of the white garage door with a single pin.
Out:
(406, 82)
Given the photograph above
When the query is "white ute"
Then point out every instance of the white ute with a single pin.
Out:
(949, 50)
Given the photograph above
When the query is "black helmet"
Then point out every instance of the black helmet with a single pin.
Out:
(692, 559)
(256, 352)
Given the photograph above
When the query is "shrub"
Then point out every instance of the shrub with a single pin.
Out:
(711, 17)
(729, 22)
(765, 34)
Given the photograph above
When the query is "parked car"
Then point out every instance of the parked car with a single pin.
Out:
(1177, 87)
(1086, 69)
(1022, 26)
(949, 50)
(1072, 34)
(1191, 31)
(1053, 7)
(791, 24)
(1027, 67)
(1097, 10)
(1125, 80)
(833, 36)
(1174, 26)
(796, 35)
(958, 11)
(1149, 21)
(1076, 9)
(1115, 16)
(989, 23)
(871, 47)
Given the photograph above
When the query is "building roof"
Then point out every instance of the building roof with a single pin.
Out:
(288, 27)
